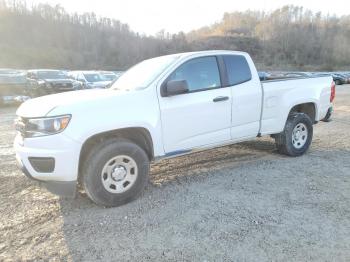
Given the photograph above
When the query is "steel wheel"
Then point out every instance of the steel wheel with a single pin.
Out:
(299, 135)
(119, 174)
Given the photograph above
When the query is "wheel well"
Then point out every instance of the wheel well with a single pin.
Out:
(138, 135)
(307, 108)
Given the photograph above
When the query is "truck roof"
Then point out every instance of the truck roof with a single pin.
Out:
(43, 70)
(209, 52)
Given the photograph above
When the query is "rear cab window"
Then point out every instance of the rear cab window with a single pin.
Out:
(238, 70)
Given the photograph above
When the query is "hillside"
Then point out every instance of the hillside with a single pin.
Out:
(48, 36)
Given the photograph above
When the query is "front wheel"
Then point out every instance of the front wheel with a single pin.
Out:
(115, 172)
(297, 135)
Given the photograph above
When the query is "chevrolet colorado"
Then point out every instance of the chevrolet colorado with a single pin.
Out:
(161, 108)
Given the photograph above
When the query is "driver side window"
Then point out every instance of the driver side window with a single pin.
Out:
(200, 73)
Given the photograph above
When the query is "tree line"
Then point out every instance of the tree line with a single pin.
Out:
(45, 36)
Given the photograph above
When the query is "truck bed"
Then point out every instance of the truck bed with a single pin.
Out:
(279, 96)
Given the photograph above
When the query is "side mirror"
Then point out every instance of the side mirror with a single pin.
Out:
(174, 87)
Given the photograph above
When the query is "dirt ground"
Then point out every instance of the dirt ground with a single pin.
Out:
(238, 203)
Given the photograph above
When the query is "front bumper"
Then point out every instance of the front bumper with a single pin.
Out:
(61, 188)
(62, 178)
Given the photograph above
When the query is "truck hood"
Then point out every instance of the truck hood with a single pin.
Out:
(41, 106)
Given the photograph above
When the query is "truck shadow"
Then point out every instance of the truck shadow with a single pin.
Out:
(90, 231)
(198, 163)
(94, 233)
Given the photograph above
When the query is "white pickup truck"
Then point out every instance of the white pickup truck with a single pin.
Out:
(160, 108)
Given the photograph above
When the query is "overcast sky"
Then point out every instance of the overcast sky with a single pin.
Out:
(151, 16)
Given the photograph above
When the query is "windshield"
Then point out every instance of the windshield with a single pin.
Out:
(13, 79)
(109, 77)
(93, 77)
(51, 75)
(142, 74)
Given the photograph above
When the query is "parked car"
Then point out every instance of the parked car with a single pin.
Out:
(9, 71)
(90, 79)
(338, 79)
(348, 77)
(109, 76)
(318, 74)
(162, 108)
(13, 87)
(45, 81)
(118, 73)
(263, 76)
(345, 77)
(298, 74)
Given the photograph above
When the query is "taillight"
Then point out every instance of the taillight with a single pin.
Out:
(332, 92)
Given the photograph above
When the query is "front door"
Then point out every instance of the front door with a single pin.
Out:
(201, 117)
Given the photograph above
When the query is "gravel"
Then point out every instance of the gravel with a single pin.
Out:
(242, 202)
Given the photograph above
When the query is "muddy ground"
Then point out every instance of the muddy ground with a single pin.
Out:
(238, 203)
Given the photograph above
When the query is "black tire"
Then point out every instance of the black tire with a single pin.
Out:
(337, 82)
(95, 162)
(284, 140)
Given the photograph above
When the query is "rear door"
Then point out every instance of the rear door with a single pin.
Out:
(246, 96)
(203, 115)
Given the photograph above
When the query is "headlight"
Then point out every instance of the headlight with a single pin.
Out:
(34, 127)
(77, 85)
(90, 85)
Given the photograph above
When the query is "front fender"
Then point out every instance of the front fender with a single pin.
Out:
(137, 109)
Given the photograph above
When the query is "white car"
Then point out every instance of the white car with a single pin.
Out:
(161, 108)
(90, 79)
(109, 76)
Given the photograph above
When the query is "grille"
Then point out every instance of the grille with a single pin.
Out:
(63, 86)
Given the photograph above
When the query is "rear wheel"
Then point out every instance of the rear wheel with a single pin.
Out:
(296, 136)
(115, 172)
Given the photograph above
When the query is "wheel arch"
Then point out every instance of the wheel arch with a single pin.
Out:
(308, 108)
(139, 135)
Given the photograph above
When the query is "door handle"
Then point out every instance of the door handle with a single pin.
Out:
(220, 98)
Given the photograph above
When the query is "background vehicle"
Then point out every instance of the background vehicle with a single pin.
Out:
(345, 77)
(13, 86)
(297, 74)
(90, 79)
(263, 76)
(162, 107)
(339, 79)
(44, 82)
(118, 73)
(9, 71)
(109, 76)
